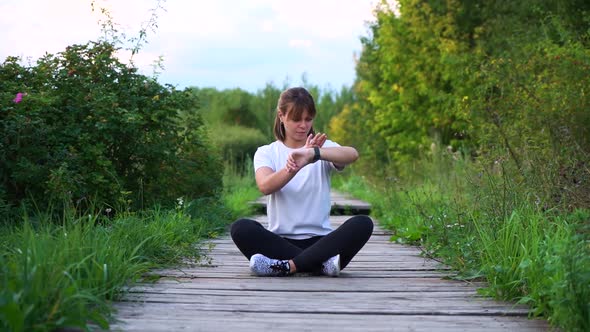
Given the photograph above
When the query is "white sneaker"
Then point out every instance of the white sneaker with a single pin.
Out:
(331, 267)
(263, 266)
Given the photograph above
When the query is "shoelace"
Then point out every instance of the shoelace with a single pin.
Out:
(281, 267)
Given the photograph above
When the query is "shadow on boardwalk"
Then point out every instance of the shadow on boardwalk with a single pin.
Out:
(386, 287)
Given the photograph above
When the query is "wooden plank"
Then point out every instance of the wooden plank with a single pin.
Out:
(297, 284)
(328, 302)
(163, 318)
(145, 293)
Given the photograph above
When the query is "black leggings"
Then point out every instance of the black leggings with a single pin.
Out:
(309, 254)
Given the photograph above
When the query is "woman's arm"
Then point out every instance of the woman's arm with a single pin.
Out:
(269, 181)
(340, 156)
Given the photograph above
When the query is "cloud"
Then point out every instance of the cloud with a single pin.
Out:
(325, 18)
(300, 43)
(30, 28)
(267, 26)
(248, 42)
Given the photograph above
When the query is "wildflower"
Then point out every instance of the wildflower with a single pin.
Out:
(19, 97)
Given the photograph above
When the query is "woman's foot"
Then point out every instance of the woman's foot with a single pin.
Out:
(263, 266)
(331, 267)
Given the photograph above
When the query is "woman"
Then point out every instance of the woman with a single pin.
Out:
(295, 172)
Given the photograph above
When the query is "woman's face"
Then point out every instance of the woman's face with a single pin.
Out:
(296, 130)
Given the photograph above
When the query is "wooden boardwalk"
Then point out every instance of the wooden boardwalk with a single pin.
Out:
(386, 287)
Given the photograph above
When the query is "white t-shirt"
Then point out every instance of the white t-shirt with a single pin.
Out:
(301, 209)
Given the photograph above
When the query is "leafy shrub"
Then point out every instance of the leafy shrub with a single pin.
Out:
(91, 130)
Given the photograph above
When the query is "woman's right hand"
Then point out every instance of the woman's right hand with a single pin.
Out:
(299, 159)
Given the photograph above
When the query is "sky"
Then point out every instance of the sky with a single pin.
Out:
(214, 43)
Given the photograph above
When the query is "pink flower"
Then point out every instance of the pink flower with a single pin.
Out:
(19, 97)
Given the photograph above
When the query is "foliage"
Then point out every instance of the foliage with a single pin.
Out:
(498, 81)
(90, 130)
(410, 77)
(237, 143)
(229, 107)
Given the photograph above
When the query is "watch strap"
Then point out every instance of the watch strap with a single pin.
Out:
(316, 154)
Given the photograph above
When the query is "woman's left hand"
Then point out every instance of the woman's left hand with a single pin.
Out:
(318, 140)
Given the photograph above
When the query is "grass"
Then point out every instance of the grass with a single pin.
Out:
(66, 273)
(486, 227)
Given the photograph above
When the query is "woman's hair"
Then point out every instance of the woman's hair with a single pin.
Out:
(292, 103)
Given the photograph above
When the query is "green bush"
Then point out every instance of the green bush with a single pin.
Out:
(91, 130)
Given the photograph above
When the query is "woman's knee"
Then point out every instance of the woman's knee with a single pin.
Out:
(363, 224)
(241, 226)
